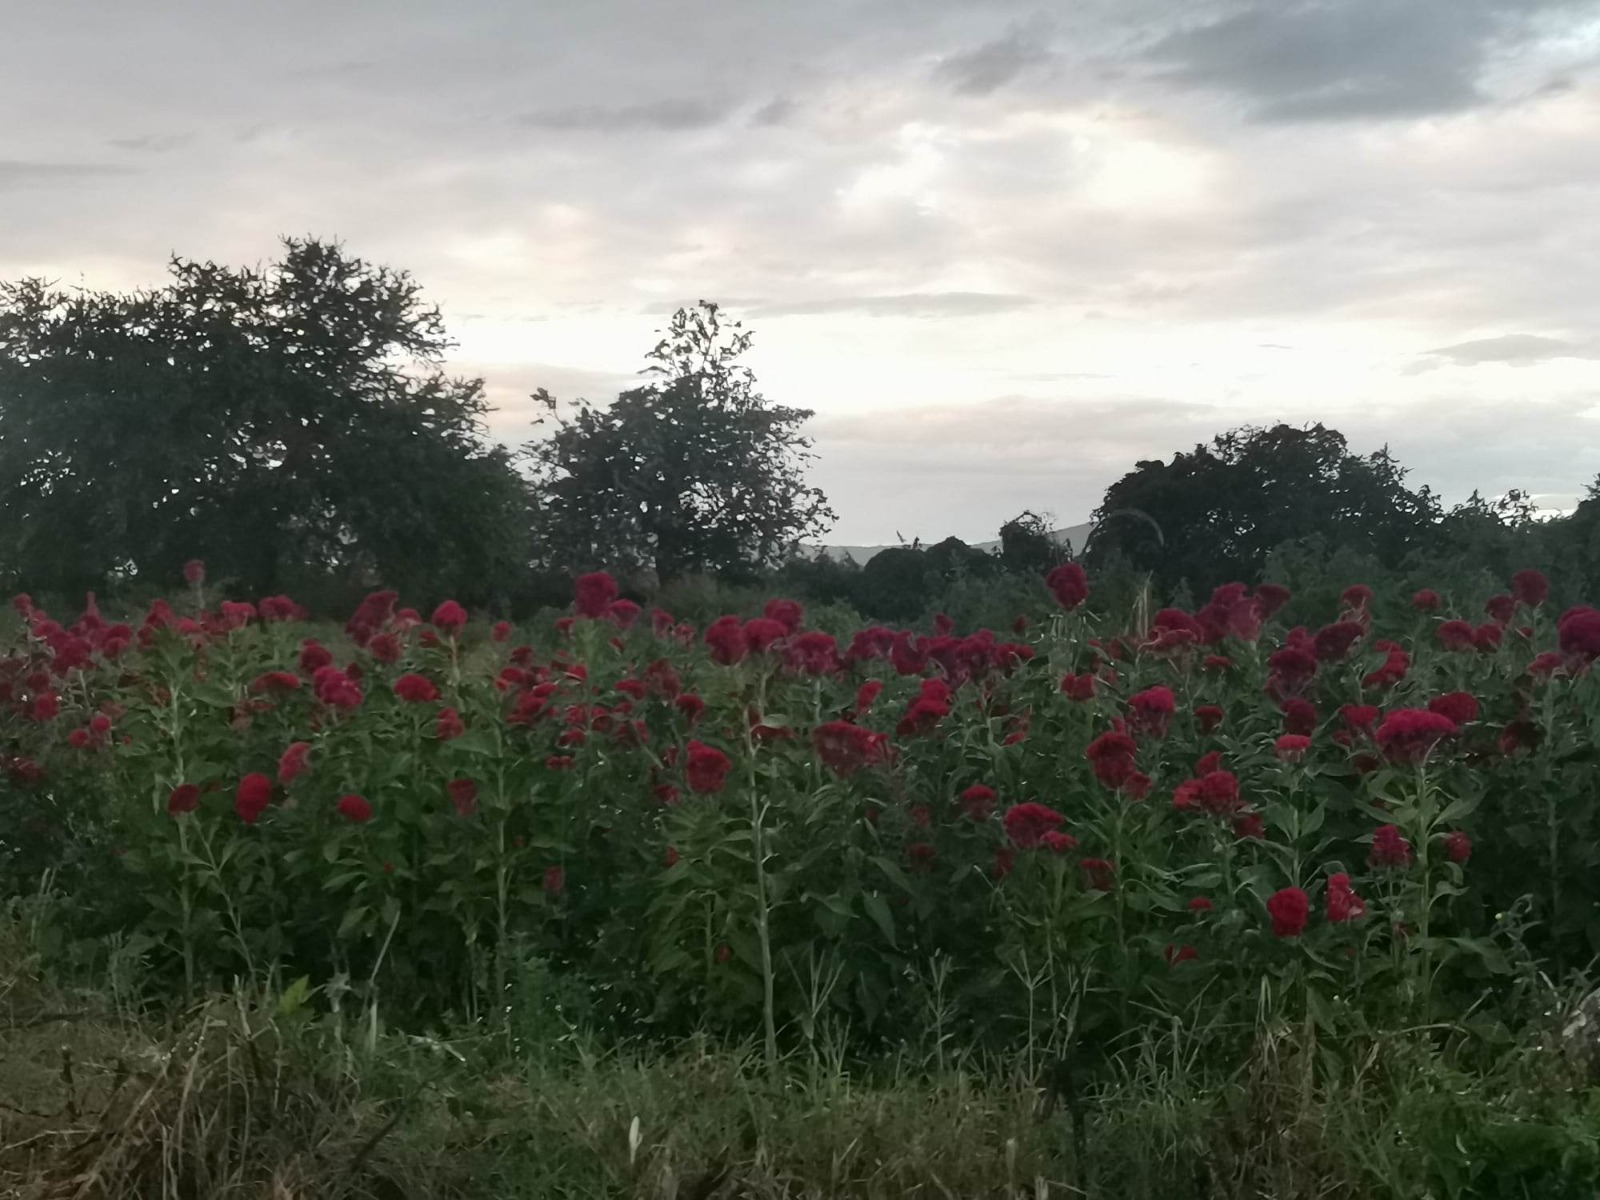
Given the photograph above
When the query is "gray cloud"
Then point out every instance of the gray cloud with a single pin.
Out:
(669, 115)
(908, 304)
(153, 143)
(15, 174)
(1518, 349)
(1344, 59)
(991, 66)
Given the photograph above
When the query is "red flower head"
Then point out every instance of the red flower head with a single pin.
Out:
(1408, 734)
(555, 881)
(1026, 824)
(943, 624)
(185, 798)
(1057, 842)
(845, 748)
(335, 688)
(977, 802)
(1579, 633)
(1342, 902)
(385, 647)
(1333, 642)
(1201, 904)
(1457, 846)
(1152, 711)
(1487, 637)
(450, 725)
(314, 656)
(1299, 716)
(1389, 848)
(1177, 955)
(1426, 601)
(194, 572)
(1068, 584)
(1289, 908)
(690, 705)
(1292, 747)
(788, 613)
(1207, 717)
(1249, 826)
(1272, 597)
(866, 694)
(594, 593)
(464, 795)
(1517, 736)
(921, 855)
(1099, 874)
(1455, 635)
(1004, 859)
(1501, 608)
(274, 681)
(355, 808)
(707, 768)
(450, 618)
(1078, 687)
(1218, 793)
(1530, 588)
(1361, 717)
(727, 640)
(253, 796)
(500, 631)
(1112, 756)
(1460, 707)
(1292, 668)
(1019, 624)
(1356, 596)
(236, 615)
(761, 632)
(622, 613)
(931, 705)
(292, 763)
(560, 762)
(415, 689)
(812, 654)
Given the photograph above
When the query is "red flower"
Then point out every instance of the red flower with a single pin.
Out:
(1292, 747)
(1289, 908)
(1057, 842)
(707, 768)
(690, 705)
(560, 762)
(1487, 637)
(1408, 734)
(1356, 596)
(1360, 716)
(845, 748)
(500, 631)
(1026, 824)
(79, 739)
(1137, 786)
(1517, 736)
(464, 795)
(1426, 601)
(46, 707)
(1272, 597)
(194, 572)
(449, 618)
(555, 881)
(1578, 631)
(1342, 903)
(1152, 711)
(927, 709)
(450, 725)
(1292, 668)
(672, 856)
(1389, 848)
(1457, 846)
(866, 694)
(185, 798)
(385, 647)
(1333, 642)
(726, 637)
(977, 802)
(1201, 904)
(415, 689)
(335, 688)
(922, 855)
(1004, 859)
(274, 681)
(1068, 584)
(1501, 608)
(292, 763)
(1180, 954)
(1460, 707)
(788, 613)
(1299, 716)
(1530, 588)
(1455, 635)
(1208, 717)
(314, 656)
(253, 796)
(1099, 874)
(812, 654)
(236, 615)
(594, 593)
(1111, 755)
(622, 613)
(1078, 687)
(1249, 826)
(355, 808)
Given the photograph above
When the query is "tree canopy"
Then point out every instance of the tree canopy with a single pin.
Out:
(1215, 514)
(280, 423)
(693, 471)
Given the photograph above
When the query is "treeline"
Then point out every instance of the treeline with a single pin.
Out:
(293, 426)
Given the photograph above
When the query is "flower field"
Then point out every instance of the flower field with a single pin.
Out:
(1050, 838)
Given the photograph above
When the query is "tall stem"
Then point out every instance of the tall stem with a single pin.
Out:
(759, 842)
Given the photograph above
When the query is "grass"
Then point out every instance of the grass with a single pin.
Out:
(257, 1095)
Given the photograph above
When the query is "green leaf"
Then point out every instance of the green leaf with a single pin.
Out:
(294, 996)
(878, 910)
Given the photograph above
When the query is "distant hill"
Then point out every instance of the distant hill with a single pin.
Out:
(1073, 535)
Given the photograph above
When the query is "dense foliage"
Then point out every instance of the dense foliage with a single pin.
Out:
(1056, 835)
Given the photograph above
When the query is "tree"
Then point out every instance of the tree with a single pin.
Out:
(1214, 515)
(1026, 547)
(693, 471)
(282, 424)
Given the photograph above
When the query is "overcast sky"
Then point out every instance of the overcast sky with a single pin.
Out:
(1003, 250)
